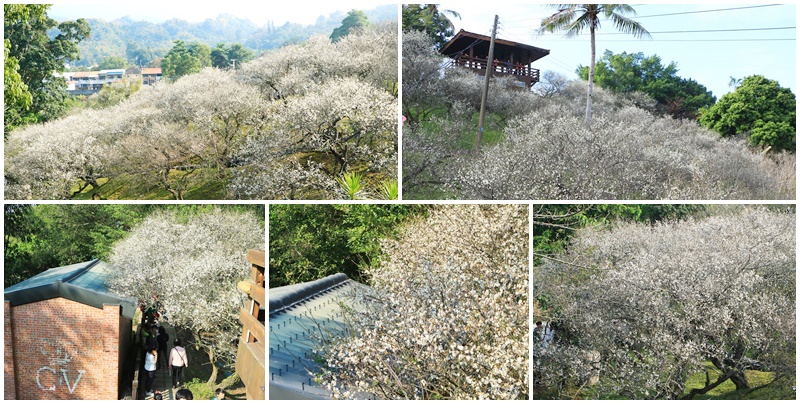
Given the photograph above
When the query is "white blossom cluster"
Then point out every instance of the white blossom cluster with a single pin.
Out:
(191, 266)
(645, 305)
(628, 154)
(446, 315)
(332, 98)
(318, 107)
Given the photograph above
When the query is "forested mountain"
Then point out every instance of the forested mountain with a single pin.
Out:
(112, 38)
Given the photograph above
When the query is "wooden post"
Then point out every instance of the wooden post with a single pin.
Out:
(489, 68)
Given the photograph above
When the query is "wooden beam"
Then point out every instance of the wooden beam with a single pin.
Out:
(256, 257)
(250, 365)
(258, 294)
(250, 323)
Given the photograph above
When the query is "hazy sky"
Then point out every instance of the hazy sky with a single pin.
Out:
(710, 63)
(305, 12)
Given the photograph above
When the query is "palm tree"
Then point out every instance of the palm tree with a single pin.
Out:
(431, 20)
(574, 18)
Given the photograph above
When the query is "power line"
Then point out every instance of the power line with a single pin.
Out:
(689, 40)
(707, 11)
(702, 30)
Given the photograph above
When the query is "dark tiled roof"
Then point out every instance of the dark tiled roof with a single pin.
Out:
(463, 40)
(299, 315)
(84, 283)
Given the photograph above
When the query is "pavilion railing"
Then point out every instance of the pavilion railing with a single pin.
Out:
(524, 72)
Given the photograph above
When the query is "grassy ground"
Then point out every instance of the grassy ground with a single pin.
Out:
(207, 184)
(727, 390)
(137, 187)
(780, 390)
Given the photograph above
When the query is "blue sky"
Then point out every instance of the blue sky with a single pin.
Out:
(305, 12)
(709, 63)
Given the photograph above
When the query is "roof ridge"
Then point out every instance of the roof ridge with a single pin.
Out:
(80, 271)
(304, 291)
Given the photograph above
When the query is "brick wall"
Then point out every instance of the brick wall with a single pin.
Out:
(65, 350)
(9, 392)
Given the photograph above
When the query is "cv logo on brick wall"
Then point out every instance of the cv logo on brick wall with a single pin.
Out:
(57, 372)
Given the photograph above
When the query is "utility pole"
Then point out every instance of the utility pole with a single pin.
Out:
(234, 63)
(489, 69)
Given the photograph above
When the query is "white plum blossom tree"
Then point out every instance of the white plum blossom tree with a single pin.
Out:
(191, 264)
(315, 109)
(646, 306)
(628, 154)
(447, 312)
(56, 159)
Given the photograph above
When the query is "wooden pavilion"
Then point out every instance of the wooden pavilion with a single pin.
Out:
(470, 50)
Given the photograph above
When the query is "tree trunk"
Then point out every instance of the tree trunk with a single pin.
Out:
(591, 80)
(740, 380)
(212, 380)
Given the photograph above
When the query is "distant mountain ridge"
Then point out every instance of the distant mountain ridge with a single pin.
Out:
(110, 38)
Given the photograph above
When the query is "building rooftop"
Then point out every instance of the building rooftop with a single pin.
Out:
(300, 316)
(503, 49)
(84, 283)
(85, 74)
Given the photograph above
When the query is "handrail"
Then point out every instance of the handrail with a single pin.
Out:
(503, 67)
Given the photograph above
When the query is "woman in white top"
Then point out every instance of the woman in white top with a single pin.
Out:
(150, 361)
(177, 361)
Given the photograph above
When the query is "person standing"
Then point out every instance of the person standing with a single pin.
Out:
(177, 362)
(162, 339)
(150, 360)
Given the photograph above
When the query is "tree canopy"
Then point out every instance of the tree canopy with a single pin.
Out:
(539, 149)
(262, 131)
(185, 59)
(113, 62)
(355, 19)
(429, 19)
(227, 57)
(628, 72)
(644, 306)
(308, 242)
(191, 265)
(759, 108)
(447, 313)
(37, 56)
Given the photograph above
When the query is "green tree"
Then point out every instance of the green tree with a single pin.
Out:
(138, 55)
(16, 97)
(219, 56)
(355, 19)
(238, 53)
(38, 237)
(180, 61)
(202, 52)
(113, 62)
(430, 20)
(308, 242)
(226, 57)
(39, 56)
(575, 18)
(629, 72)
(760, 108)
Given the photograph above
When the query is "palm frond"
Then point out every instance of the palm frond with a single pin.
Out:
(628, 26)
